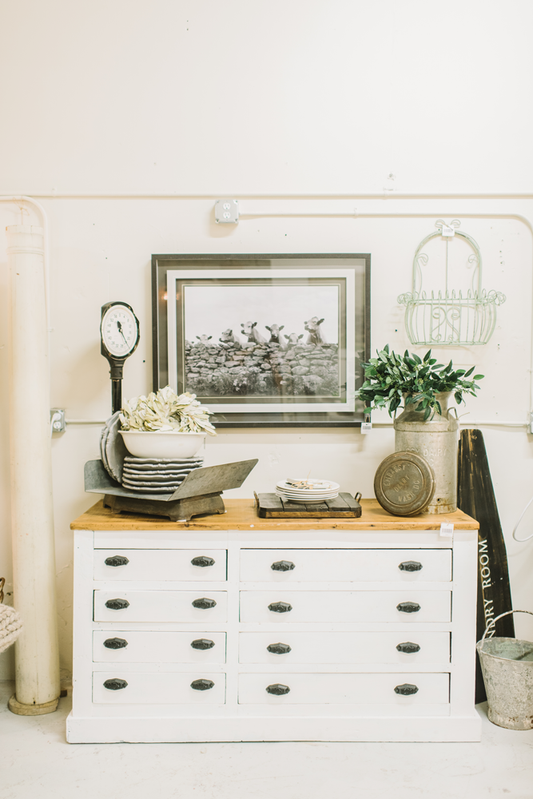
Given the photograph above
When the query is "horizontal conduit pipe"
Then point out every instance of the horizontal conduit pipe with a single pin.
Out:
(376, 195)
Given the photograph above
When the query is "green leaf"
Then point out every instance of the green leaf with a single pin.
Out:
(390, 376)
(395, 403)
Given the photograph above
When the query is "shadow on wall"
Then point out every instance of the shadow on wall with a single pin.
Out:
(79, 373)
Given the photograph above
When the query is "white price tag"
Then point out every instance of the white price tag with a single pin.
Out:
(446, 530)
(448, 231)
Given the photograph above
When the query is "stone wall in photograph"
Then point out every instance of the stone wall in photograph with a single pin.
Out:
(262, 369)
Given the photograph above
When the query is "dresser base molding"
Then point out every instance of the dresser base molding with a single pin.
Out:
(213, 730)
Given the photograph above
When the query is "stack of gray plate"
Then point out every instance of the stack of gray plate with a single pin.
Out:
(157, 475)
(112, 449)
(145, 475)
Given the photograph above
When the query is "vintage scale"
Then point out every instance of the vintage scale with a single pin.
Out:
(200, 492)
(120, 334)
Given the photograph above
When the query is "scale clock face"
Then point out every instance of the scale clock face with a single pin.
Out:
(119, 330)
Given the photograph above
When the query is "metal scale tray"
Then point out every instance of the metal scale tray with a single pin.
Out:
(199, 494)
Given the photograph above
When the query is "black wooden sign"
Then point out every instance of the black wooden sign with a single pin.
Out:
(475, 496)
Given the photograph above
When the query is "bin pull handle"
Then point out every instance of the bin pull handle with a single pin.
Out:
(493, 623)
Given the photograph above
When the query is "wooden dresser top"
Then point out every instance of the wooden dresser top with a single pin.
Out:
(241, 514)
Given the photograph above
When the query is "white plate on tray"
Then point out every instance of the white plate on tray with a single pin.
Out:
(307, 501)
(314, 486)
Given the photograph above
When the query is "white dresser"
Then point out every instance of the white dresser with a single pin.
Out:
(235, 628)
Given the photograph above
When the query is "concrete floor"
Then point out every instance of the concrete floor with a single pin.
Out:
(37, 763)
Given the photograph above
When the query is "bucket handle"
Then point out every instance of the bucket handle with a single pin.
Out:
(508, 613)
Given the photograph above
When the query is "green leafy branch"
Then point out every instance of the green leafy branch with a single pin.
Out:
(391, 379)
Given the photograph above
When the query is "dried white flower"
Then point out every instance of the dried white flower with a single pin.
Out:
(167, 412)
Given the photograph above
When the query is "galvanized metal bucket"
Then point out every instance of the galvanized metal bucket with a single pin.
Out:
(507, 666)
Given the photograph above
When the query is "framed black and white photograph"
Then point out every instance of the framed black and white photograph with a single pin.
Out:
(263, 340)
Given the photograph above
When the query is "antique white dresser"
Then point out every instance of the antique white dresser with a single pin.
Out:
(235, 628)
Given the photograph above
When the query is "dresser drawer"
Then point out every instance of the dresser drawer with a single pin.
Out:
(160, 564)
(287, 607)
(346, 647)
(120, 687)
(344, 689)
(156, 606)
(346, 565)
(136, 646)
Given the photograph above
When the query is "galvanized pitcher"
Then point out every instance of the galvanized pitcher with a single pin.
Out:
(436, 440)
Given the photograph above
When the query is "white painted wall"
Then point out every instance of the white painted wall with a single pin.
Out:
(279, 100)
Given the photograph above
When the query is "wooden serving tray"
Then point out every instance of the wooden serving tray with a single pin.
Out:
(270, 506)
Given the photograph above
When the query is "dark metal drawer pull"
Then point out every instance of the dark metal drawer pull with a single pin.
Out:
(406, 689)
(279, 649)
(202, 643)
(117, 560)
(408, 607)
(278, 689)
(283, 566)
(410, 566)
(117, 604)
(115, 643)
(408, 647)
(204, 603)
(280, 607)
(202, 685)
(203, 560)
(115, 684)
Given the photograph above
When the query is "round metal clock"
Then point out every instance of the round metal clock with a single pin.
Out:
(120, 334)
(119, 330)
(404, 484)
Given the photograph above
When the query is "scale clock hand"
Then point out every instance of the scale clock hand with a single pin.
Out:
(122, 332)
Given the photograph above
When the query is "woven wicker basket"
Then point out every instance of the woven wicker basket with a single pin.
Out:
(10, 623)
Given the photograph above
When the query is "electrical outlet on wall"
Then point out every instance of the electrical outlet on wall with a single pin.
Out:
(227, 211)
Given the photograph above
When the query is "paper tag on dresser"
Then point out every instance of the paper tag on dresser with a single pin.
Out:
(446, 530)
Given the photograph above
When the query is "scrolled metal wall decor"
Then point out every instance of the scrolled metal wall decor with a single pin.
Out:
(449, 317)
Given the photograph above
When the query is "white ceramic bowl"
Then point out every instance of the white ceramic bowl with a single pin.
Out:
(144, 444)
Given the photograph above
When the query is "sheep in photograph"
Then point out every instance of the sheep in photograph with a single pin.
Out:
(275, 331)
(293, 339)
(253, 336)
(316, 336)
(227, 338)
(204, 340)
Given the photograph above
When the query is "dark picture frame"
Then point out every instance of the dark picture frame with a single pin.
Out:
(264, 340)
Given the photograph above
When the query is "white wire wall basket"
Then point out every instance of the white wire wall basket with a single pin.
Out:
(450, 317)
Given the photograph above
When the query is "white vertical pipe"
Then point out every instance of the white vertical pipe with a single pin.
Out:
(36, 651)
